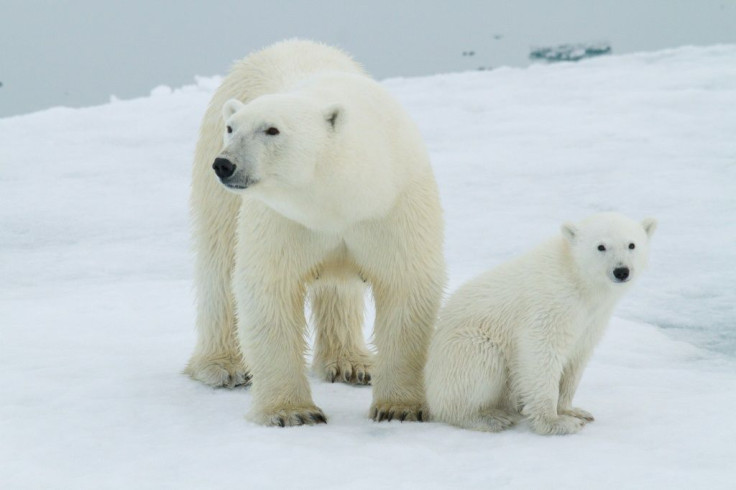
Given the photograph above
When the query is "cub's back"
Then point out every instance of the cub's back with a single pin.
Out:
(513, 294)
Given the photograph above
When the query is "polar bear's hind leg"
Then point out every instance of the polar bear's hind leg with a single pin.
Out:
(337, 313)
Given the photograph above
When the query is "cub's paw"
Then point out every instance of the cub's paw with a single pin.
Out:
(415, 412)
(290, 416)
(218, 372)
(352, 369)
(495, 420)
(560, 425)
(578, 413)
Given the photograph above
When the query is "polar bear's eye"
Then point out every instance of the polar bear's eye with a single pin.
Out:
(272, 131)
(632, 246)
(229, 129)
(602, 248)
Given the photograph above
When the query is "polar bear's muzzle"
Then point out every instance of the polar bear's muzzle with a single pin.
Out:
(224, 168)
(621, 274)
(229, 175)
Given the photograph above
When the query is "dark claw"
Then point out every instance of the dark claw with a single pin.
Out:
(382, 416)
(390, 416)
(420, 416)
(333, 377)
(318, 418)
(404, 415)
(301, 419)
(281, 422)
(367, 378)
(361, 377)
(346, 377)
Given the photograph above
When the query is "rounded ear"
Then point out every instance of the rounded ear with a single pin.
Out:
(569, 231)
(649, 225)
(335, 116)
(231, 107)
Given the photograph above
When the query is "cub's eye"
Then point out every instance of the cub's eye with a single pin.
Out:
(602, 248)
(272, 131)
(229, 129)
(632, 246)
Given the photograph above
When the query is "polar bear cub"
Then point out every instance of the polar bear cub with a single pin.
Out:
(514, 341)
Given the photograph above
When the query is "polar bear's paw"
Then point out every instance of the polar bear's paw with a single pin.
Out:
(495, 420)
(218, 372)
(560, 425)
(291, 416)
(578, 413)
(351, 368)
(388, 411)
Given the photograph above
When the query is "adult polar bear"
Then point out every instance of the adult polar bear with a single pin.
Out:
(324, 184)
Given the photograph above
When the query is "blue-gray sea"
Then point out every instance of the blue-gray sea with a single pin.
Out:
(80, 52)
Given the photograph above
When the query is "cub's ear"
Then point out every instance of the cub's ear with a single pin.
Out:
(649, 225)
(569, 231)
(231, 107)
(335, 116)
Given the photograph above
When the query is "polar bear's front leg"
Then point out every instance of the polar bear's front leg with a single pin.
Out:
(568, 385)
(274, 259)
(538, 385)
(340, 353)
(402, 259)
(405, 318)
(272, 335)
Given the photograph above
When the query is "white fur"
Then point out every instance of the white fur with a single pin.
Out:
(341, 197)
(514, 341)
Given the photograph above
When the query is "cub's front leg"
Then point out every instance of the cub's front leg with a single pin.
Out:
(568, 386)
(538, 382)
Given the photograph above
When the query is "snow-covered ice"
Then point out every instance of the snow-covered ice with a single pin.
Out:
(97, 317)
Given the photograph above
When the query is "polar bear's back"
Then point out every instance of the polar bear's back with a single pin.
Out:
(281, 66)
(501, 301)
(278, 68)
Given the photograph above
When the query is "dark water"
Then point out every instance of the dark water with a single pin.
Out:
(78, 53)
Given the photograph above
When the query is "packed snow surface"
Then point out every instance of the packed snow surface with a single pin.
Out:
(96, 300)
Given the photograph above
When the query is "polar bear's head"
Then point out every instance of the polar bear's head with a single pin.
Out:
(274, 141)
(610, 248)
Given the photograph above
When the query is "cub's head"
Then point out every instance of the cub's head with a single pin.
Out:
(273, 141)
(610, 248)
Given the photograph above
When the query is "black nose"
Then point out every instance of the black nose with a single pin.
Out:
(223, 167)
(621, 273)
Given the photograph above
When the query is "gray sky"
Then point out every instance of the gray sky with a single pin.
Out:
(78, 53)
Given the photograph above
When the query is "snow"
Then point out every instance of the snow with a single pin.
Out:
(96, 308)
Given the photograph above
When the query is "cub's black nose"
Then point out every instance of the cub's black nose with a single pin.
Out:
(621, 273)
(223, 167)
